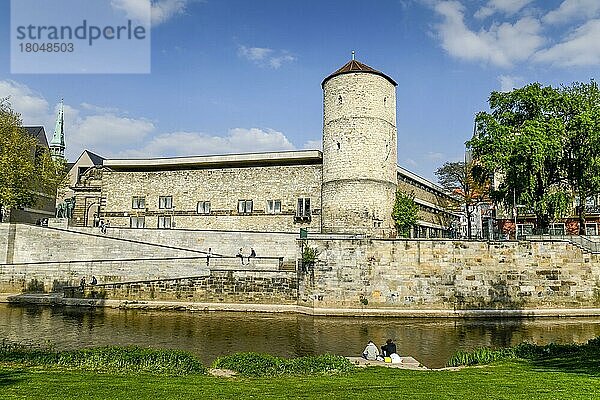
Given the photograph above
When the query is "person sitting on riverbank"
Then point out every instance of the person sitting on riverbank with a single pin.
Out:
(388, 348)
(371, 351)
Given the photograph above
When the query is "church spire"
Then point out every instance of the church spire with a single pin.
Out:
(57, 145)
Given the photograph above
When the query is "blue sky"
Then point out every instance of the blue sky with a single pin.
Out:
(236, 76)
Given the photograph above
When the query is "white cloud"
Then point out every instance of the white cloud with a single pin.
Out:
(571, 10)
(496, 45)
(109, 132)
(313, 145)
(410, 162)
(99, 109)
(580, 48)
(106, 133)
(509, 7)
(238, 140)
(266, 57)
(32, 106)
(435, 156)
(509, 82)
(161, 10)
(254, 53)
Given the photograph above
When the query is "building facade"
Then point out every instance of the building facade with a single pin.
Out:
(349, 187)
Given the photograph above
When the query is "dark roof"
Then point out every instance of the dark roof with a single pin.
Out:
(96, 159)
(38, 133)
(355, 66)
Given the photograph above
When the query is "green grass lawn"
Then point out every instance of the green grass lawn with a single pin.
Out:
(506, 380)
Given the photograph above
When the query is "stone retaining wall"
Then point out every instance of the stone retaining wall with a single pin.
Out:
(38, 259)
(216, 287)
(349, 274)
(447, 275)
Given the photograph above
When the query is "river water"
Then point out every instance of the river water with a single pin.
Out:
(211, 334)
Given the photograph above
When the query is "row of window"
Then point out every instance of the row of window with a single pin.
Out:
(591, 229)
(164, 222)
(244, 206)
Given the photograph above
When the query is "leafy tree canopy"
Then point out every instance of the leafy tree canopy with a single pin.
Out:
(404, 213)
(543, 144)
(25, 168)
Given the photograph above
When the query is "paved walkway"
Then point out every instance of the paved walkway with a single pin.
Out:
(407, 363)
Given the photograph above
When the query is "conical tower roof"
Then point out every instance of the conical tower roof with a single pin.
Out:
(353, 66)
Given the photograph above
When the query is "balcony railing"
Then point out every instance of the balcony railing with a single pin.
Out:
(582, 242)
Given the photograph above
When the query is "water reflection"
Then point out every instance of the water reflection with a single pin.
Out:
(209, 335)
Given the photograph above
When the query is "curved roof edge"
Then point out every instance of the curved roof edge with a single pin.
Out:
(353, 66)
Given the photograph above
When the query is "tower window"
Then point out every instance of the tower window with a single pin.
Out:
(339, 145)
(385, 101)
(339, 100)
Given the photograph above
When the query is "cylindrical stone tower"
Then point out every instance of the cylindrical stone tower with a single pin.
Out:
(359, 151)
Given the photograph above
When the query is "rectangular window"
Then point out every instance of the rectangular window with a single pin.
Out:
(590, 202)
(273, 206)
(203, 207)
(138, 202)
(591, 229)
(137, 222)
(557, 229)
(524, 230)
(165, 202)
(303, 210)
(244, 206)
(164, 222)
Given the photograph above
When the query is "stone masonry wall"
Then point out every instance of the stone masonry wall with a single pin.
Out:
(226, 243)
(46, 259)
(215, 287)
(223, 187)
(359, 151)
(348, 273)
(447, 275)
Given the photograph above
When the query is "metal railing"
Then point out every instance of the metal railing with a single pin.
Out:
(583, 242)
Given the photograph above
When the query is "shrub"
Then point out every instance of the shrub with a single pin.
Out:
(483, 355)
(249, 364)
(525, 351)
(254, 364)
(104, 359)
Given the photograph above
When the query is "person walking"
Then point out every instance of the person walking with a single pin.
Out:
(208, 255)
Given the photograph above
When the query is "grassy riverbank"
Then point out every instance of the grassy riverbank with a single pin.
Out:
(502, 381)
(567, 372)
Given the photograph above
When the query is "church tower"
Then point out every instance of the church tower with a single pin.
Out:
(57, 145)
(359, 151)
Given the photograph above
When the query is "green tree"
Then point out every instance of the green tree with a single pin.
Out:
(404, 213)
(25, 168)
(457, 178)
(582, 145)
(523, 141)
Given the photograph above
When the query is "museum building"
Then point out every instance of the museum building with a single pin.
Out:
(348, 188)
